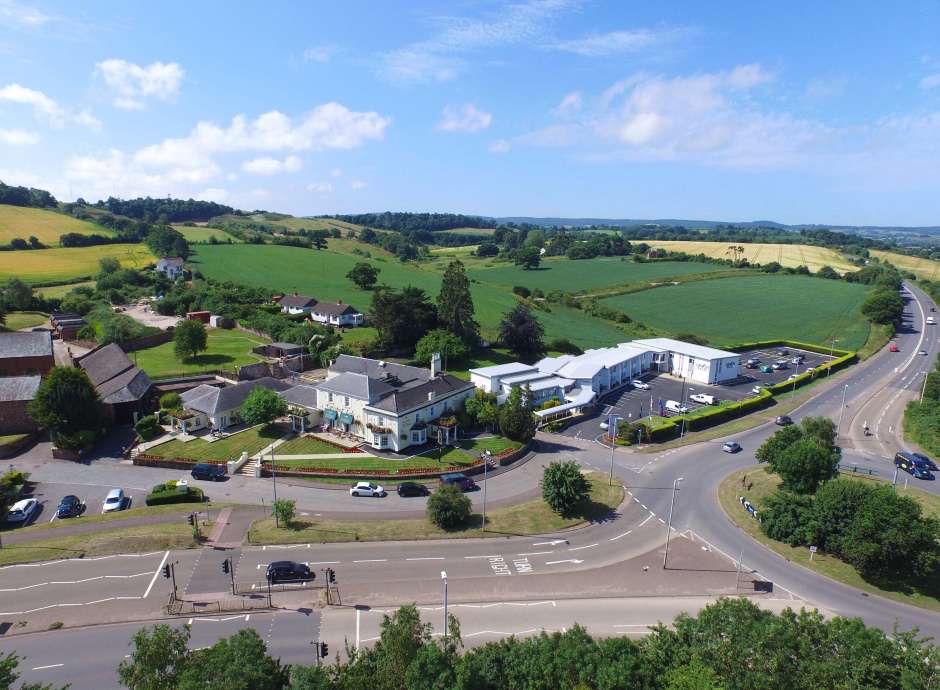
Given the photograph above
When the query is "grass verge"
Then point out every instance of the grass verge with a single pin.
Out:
(760, 485)
(17, 320)
(531, 517)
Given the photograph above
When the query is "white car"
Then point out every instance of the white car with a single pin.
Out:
(703, 398)
(640, 385)
(23, 511)
(113, 501)
(367, 489)
(756, 390)
(605, 426)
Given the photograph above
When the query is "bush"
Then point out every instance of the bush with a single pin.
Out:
(564, 488)
(564, 345)
(522, 291)
(166, 494)
(448, 507)
(147, 427)
(285, 511)
(170, 401)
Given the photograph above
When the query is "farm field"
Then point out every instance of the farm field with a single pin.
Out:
(926, 269)
(17, 320)
(20, 221)
(571, 276)
(62, 290)
(734, 310)
(322, 274)
(227, 349)
(202, 233)
(291, 222)
(792, 255)
(483, 232)
(38, 265)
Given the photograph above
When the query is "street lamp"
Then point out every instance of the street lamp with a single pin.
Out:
(612, 421)
(672, 504)
(832, 346)
(274, 476)
(444, 578)
(842, 411)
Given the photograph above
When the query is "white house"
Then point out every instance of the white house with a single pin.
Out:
(172, 268)
(490, 378)
(696, 362)
(296, 304)
(336, 314)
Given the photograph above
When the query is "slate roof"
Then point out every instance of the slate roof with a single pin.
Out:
(297, 301)
(104, 363)
(129, 386)
(290, 347)
(114, 375)
(399, 375)
(302, 395)
(174, 262)
(334, 309)
(32, 344)
(402, 400)
(356, 386)
(15, 388)
(211, 400)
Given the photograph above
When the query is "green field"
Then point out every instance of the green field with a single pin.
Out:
(734, 310)
(62, 290)
(47, 226)
(17, 320)
(202, 234)
(41, 265)
(228, 349)
(230, 448)
(322, 274)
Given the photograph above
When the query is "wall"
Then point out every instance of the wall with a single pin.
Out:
(14, 419)
(26, 366)
(148, 341)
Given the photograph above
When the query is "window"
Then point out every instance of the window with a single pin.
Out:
(346, 400)
(329, 397)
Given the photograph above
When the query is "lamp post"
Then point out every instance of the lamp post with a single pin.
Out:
(842, 411)
(923, 388)
(832, 346)
(444, 578)
(486, 461)
(672, 504)
(612, 421)
(274, 476)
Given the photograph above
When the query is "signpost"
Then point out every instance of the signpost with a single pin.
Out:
(812, 552)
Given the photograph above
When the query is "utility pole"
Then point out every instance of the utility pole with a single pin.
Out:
(486, 461)
(444, 578)
(842, 411)
(832, 346)
(612, 421)
(274, 476)
(672, 504)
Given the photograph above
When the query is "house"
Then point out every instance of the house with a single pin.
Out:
(26, 354)
(696, 362)
(296, 304)
(16, 392)
(172, 268)
(67, 329)
(389, 406)
(336, 314)
(124, 389)
(210, 407)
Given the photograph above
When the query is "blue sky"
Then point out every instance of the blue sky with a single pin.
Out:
(812, 112)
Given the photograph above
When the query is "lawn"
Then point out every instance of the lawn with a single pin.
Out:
(230, 448)
(494, 444)
(16, 320)
(354, 462)
(61, 291)
(201, 233)
(735, 310)
(763, 484)
(306, 445)
(792, 255)
(531, 517)
(42, 265)
(228, 349)
(45, 225)
(923, 268)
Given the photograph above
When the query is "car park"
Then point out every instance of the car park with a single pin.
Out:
(913, 466)
(460, 479)
(703, 399)
(69, 506)
(23, 511)
(115, 500)
(406, 489)
(367, 489)
(640, 385)
(288, 571)
(208, 471)
(731, 447)
(783, 420)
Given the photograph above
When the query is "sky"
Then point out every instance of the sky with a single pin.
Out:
(796, 112)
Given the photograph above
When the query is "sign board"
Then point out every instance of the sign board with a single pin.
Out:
(812, 549)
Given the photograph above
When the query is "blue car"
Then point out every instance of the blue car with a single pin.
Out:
(69, 506)
(913, 465)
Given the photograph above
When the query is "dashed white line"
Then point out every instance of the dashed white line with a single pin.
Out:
(324, 562)
(621, 535)
(579, 548)
(661, 520)
(372, 560)
(74, 582)
(43, 668)
(426, 558)
(648, 518)
(534, 553)
(490, 556)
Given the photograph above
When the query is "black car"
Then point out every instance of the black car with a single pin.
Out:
(289, 571)
(406, 489)
(205, 470)
(783, 420)
(925, 461)
(69, 506)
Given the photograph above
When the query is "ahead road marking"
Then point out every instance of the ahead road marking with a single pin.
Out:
(572, 560)
(42, 668)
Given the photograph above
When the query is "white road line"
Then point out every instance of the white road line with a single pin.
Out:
(156, 573)
(43, 668)
(80, 560)
(54, 516)
(534, 553)
(661, 520)
(324, 562)
(426, 558)
(570, 560)
(621, 535)
(218, 620)
(648, 518)
(54, 606)
(74, 582)
(579, 548)
(491, 556)
(372, 560)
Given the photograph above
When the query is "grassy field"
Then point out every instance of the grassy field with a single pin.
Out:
(355, 462)
(482, 232)
(922, 268)
(291, 222)
(531, 517)
(16, 320)
(62, 290)
(202, 234)
(47, 226)
(734, 310)
(39, 265)
(763, 484)
(228, 349)
(793, 255)
(251, 441)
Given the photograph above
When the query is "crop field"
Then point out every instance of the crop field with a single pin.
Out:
(19, 221)
(483, 232)
(792, 255)
(572, 276)
(292, 222)
(227, 349)
(926, 269)
(734, 310)
(61, 291)
(322, 274)
(39, 265)
(202, 234)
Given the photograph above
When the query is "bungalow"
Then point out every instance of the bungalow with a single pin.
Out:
(336, 314)
(172, 268)
(207, 406)
(296, 304)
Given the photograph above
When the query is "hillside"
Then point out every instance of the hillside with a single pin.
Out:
(925, 269)
(792, 255)
(44, 265)
(47, 226)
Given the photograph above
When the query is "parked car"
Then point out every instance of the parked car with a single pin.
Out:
(208, 471)
(766, 369)
(604, 426)
(676, 407)
(783, 420)
(69, 506)
(797, 360)
(792, 376)
(288, 571)
(367, 489)
(781, 364)
(916, 468)
(783, 353)
(703, 399)
(731, 447)
(406, 489)
(23, 511)
(115, 500)
(923, 352)
(640, 385)
(756, 390)
(752, 362)
(460, 479)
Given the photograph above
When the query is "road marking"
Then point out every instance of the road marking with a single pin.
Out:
(156, 573)
(53, 606)
(494, 556)
(621, 535)
(534, 553)
(80, 560)
(571, 560)
(54, 516)
(426, 558)
(324, 562)
(661, 520)
(218, 620)
(498, 564)
(372, 560)
(579, 548)
(285, 546)
(554, 542)
(43, 668)
(648, 518)
(73, 582)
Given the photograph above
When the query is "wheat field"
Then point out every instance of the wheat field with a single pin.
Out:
(792, 255)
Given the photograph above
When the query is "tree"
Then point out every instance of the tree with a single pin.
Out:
(285, 510)
(822, 428)
(262, 406)
(17, 295)
(883, 306)
(515, 416)
(109, 264)
(118, 329)
(771, 449)
(240, 662)
(527, 257)
(160, 655)
(67, 405)
(318, 239)
(189, 338)
(402, 317)
(828, 272)
(450, 347)
(487, 249)
(806, 463)
(481, 408)
(522, 333)
(448, 507)
(170, 401)
(455, 305)
(363, 275)
(564, 488)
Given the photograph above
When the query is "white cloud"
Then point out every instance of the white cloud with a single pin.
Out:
(931, 81)
(272, 166)
(22, 14)
(88, 120)
(358, 184)
(134, 84)
(336, 172)
(216, 194)
(465, 118)
(320, 187)
(500, 146)
(18, 137)
(747, 76)
(569, 105)
(43, 106)
(318, 53)
(617, 42)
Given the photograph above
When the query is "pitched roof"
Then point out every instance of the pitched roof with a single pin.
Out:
(14, 388)
(402, 400)
(303, 395)
(175, 262)
(32, 344)
(683, 348)
(105, 363)
(297, 301)
(334, 309)
(114, 375)
(129, 386)
(210, 400)
(398, 375)
(502, 369)
(356, 386)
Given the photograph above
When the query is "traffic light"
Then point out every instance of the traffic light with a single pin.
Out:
(191, 519)
(331, 576)
(324, 649)
(166, 571)
(225, 566)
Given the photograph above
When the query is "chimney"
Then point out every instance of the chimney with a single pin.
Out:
(430, 396)
(435, 364)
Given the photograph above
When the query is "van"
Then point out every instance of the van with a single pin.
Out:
(912, 465)
(676, 407)
(703, 398)
(931, 321)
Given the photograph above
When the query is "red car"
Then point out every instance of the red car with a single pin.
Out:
(893, 347)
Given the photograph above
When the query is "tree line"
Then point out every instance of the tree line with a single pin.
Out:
(26, 196)
(407, 222)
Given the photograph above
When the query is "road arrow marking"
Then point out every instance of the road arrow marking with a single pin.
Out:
(572, 560)
(554, 542)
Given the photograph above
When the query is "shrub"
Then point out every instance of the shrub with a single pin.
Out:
(285, 511)
(522, 291)
(170, 401)
(147, 427)
(448, 507)
(164, 494)
(564, 345)
(564, 488)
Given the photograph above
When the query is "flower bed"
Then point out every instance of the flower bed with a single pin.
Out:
(373, 474)
(144, 460)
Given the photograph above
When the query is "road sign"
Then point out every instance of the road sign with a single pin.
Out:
(812, 551)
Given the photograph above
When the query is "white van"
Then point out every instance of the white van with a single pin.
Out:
(703, 398)
(676, 407)
(931, 321)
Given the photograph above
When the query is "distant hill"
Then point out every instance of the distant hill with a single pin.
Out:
(45, 225)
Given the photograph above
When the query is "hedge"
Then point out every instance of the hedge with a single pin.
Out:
(737, 409)
(809, 347)
(163, 495)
